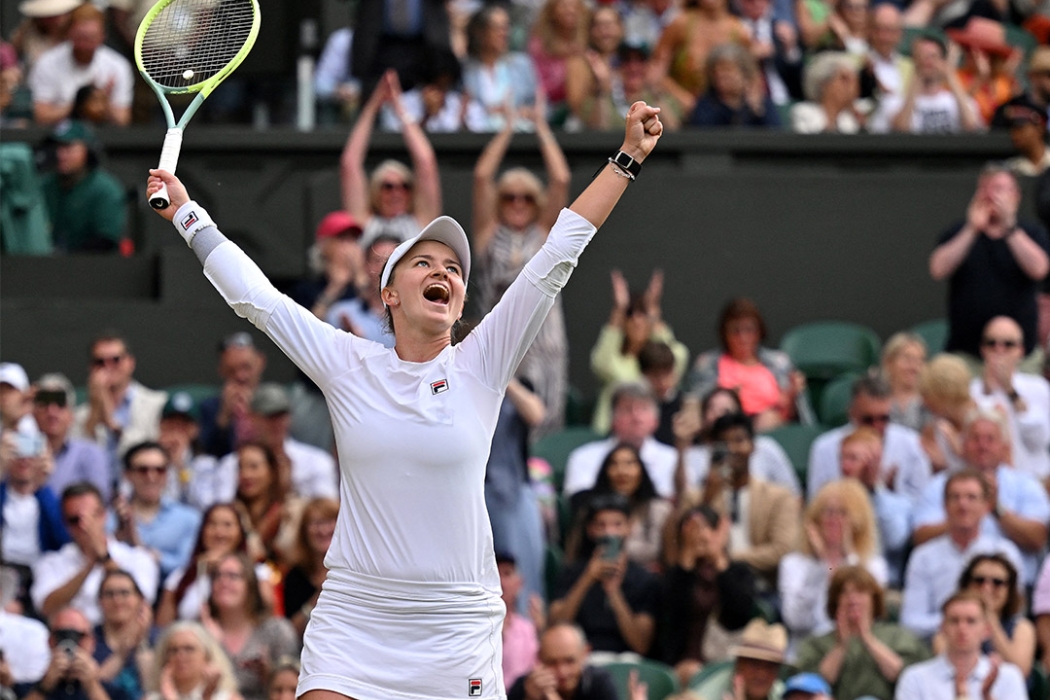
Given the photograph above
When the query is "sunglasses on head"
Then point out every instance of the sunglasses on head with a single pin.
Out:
(981, 580)
(1000, 343)
(112, 361)
(47, 398)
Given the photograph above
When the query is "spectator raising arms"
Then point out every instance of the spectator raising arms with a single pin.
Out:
(512, 217)
(394, 199)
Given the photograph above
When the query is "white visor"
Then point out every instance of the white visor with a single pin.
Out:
(443, 229)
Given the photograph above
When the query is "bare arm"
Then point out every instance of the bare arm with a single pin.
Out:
(426, 197)
(47, 114)
(1029, 256)
(901, 121)
(565, 609)
(636, 628)
(889, 662)
(61, 596)
(948, 256)
(925, 533)
(1042, 632)
(968, 119)
(1020, 651)
(558, 175)
(1026, 533)
(529, 405)
(485, 186)
(810, 31)
(352, 179)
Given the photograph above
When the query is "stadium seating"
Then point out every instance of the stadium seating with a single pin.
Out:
(659, 677)
(796, 440)
(834, 400)
(934, 333)
(555, 449)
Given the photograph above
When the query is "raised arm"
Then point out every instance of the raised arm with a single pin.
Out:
(485, 187)
(426, 195)
(558, 175)
(353, 181)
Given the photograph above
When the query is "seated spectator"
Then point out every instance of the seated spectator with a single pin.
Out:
(771, 390)
(634, 420)
(512, 216)
(698, 448)
(1011, 635)
(87, 206)
(558, 33)
(775, 45)
(498, 78)
(933, 101)
(685, 44)
(365, 314)
(189, 473)
(589, 72)
(831, 86)
(75, 459)
(1019, 509)
(633, 321)
(16, 399)
(222, 532)
(395, 199)
(1037, 91)
(335, 262)
(1023, 399)
(849, 26)
(806, 686)
(706, 596)
(1026, 122)
(902, 362)
(1041, 611)
(439, 104)
(190, 663)
(945, 390)
(44, 27)
(962, 670)
(862, 656)
(90, 105)
(861, 459)
(657, 364)
(613, 599)
(736, 94)
(284, 680)
(24, 653)
(934, 566)
(988, 65)
(764, 517)
(302, 583)
(236, 615)
(225, 421)
(757, 659)
(149, 519)
(124, 638)
(838, 529)
(305, 470)
(72, 575)
(120, 412)
(645, 20)
(892, 70)
(83, 58)
(624, 472)
(273, 513)
(73, 673)
(337, 91)
(520, 643)
(562, 671)
(905, 467)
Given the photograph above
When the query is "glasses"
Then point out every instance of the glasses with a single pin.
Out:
(391, 186)
(993, 343)
(228, 576)
(981, 580)
(511, 197)
(875, 419)
(112, 361)
(114, 593)
(182, 649)
(149, 468)
(48, 398)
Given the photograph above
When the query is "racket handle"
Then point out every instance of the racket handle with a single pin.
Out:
(169, 159)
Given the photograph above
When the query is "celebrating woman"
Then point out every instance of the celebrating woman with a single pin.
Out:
(412, 586)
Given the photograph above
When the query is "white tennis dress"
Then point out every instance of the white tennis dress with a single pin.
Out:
(411, 607)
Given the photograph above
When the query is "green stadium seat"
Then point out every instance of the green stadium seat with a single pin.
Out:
(796, 440)
(659, 677)
(708, 673)
(552, 567)
(835, 399)
(826, 349)
(555, 448)
(934, 333)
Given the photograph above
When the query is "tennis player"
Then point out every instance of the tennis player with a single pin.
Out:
(411, 607)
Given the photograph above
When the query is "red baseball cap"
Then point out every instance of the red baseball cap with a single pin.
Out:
(338, 223)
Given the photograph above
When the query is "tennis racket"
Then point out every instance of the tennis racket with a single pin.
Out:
(190, 46)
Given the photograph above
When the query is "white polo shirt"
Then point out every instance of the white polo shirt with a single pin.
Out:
(1030, 429)
(935, 680)
(581, 470)
(56, 76)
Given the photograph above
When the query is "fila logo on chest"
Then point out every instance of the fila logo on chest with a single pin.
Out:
(439, 387)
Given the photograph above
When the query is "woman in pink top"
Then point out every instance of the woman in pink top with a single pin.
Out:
(560, 33)
(769, 386)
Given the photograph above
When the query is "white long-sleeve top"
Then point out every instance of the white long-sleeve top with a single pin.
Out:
(1029, 429)
(413, 438)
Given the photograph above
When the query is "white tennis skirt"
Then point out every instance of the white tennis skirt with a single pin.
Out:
(374, 639)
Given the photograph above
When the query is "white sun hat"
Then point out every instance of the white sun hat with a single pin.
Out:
(443, 229)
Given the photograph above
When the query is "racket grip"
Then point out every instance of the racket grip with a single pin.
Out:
(169, 159)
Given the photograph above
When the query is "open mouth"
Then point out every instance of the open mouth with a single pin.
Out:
(436, 293)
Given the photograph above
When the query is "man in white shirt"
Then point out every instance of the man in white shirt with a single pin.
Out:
(1019, 508)
(1023, 398)
(893, 71)
(934, 101)
(962, 671)
(934, 567)
(81, 60)
(905, 466)
(635, 417)
(72, 575)
(313, 471)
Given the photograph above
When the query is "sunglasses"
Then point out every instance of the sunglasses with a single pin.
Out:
(875, 419)
(114, 593)
(981, 580)
(112, 361)
(48, 398)
(511, 197)
(391, 186)
(1000, 343)
(147, 468)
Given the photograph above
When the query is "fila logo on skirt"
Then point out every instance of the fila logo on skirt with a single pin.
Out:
(474, 684)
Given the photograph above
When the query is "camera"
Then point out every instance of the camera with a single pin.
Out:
(29, 445)
(610, 546)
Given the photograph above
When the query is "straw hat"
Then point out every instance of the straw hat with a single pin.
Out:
(47, 8)
(761, 641)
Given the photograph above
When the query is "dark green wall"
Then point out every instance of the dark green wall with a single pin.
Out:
(810, 227)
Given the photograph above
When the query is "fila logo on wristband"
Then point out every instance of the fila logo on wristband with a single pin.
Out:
(474, 688)
(190, 219)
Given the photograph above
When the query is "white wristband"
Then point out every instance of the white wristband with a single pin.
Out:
(189, 219)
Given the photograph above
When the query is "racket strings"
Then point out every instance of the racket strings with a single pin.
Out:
(190, 41)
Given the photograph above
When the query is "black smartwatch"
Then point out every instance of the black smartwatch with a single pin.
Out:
(628, 165)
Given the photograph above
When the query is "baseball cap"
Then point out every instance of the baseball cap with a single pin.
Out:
(443, 229)
(1021, 111)
(13, 374)
(271, 399)
(71, 130)
(337, 223)
(806, 683)
(181, 404)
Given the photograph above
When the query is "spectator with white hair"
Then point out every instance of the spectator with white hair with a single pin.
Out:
(831, 85)
(190, 663)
